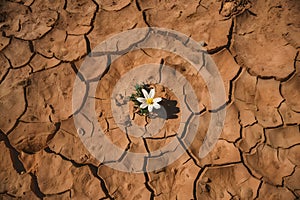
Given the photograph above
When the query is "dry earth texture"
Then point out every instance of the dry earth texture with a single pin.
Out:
(255, 46)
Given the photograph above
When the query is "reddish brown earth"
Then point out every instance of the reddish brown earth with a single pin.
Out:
(255, 46)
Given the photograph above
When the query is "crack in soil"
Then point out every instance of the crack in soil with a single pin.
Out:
(93, 169)
(145, 17)
(14, 154)
(35, 186)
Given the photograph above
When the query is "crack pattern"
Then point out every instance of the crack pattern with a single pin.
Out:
(42, 46)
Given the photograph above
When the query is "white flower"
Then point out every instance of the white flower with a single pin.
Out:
(149, 100)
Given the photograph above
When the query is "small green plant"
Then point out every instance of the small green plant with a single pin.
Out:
(144, 100)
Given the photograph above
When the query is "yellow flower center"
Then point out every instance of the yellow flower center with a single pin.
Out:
(149, 101)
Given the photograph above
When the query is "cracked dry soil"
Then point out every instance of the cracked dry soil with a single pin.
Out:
(255, 46)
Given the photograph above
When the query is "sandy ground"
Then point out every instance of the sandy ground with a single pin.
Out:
(255, 46)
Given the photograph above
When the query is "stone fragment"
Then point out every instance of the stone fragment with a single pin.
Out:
(18, 52)
(40, 62)
(226, 182)
(31, 137)
(292, 182)
(251, 136)
(268, 191)
(291, 93)
(264, 162)
(124, 185)
(11, 182)
(223, 152)
(64, 47)
(283, 137)
(256, 34)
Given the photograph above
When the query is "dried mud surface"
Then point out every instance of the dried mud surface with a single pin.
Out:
(255, 46)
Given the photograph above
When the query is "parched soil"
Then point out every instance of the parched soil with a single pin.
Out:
(255, 45)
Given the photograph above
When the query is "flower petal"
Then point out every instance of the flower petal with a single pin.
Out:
(152, 93)
(145, 94)
(156, 106)
(156, 100)
(141, 99)
(150, 108)
(143, 105)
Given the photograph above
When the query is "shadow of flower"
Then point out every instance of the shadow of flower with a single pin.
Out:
(169, 110)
